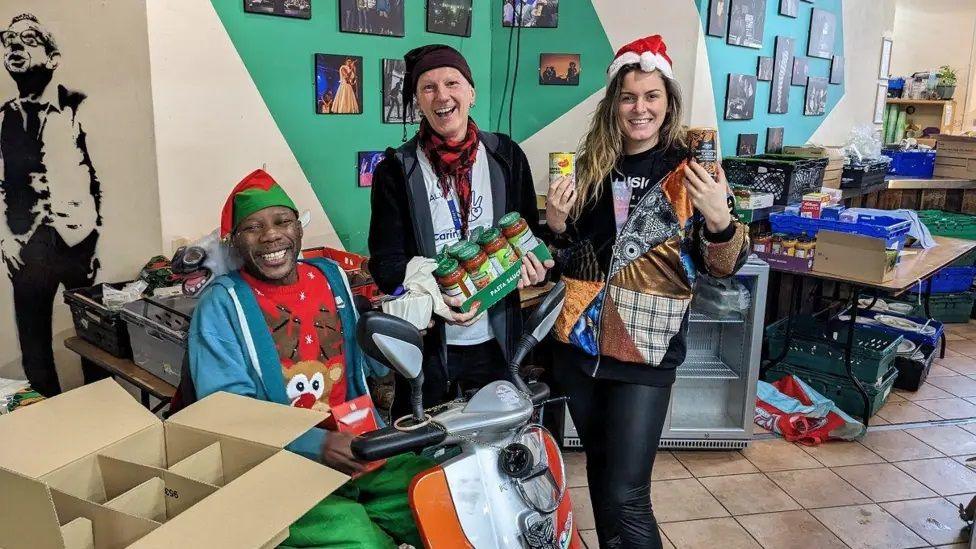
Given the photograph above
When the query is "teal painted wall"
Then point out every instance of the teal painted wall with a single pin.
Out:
(278, 53)
(724, 59)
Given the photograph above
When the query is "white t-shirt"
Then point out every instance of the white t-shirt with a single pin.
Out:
(445, 215)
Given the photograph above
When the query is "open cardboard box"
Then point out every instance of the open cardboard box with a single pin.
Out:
(93, 468)
(504, 284)
(854, 256)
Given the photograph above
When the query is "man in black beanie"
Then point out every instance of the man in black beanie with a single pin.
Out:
(433, 191)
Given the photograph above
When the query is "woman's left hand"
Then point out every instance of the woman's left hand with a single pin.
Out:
(533, 270)
(709, 197)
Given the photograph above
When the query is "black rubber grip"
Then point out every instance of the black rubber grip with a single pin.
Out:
(540, 392)
(389, 442)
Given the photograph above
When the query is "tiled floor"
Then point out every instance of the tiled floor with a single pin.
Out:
(896, 488)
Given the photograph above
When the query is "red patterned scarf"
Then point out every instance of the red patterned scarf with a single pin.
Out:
(452, 163)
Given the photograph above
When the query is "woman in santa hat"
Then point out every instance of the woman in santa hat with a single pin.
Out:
(638, 224)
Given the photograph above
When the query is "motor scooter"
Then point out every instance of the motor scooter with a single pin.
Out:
(500, 481)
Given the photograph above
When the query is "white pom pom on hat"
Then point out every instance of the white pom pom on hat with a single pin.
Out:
(650, 52)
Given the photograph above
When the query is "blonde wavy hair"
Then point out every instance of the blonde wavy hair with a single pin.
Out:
(603, 144)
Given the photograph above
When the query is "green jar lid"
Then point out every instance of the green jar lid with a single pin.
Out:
(468, 251)
(446, 266)
(455, 248)
(509, 219)
(488, 236)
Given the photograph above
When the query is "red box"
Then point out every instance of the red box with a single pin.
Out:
(356, 417)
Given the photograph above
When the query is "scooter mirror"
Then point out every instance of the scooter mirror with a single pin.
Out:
(391, 341)
(543, 318)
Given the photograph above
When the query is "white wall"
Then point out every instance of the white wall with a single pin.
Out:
(929, 34)
(865, 23)
(212, 126)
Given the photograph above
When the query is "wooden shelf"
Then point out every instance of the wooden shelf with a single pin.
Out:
(898, 101)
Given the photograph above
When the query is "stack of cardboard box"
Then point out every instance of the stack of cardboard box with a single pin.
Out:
(835, 164)
(955, 157)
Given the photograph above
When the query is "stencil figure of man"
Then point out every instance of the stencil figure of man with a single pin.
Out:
(51, 195)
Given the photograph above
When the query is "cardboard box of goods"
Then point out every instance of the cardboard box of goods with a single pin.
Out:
(747, 199)
(93, 468)
(833, 176)
(784, 262)
(955, 157)
(813, 203)
(854, 256)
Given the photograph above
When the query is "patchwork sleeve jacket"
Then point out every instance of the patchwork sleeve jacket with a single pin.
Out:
(628, 293)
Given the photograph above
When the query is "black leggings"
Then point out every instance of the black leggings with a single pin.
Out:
(620, 427)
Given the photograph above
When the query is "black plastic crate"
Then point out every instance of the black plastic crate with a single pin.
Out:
(913, 369)
(95, 323)
(864, 175)
(787, 177)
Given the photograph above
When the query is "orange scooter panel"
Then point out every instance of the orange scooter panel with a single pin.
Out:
(433, 510)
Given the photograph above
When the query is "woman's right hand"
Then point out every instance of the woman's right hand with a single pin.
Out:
(559, 202)
(458, 318)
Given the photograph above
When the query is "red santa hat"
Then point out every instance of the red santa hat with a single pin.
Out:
(650, 52)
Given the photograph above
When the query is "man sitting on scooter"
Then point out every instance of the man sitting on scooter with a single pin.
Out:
(283, 330)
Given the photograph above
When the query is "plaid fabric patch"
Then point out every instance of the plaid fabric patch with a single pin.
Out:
(650, 320)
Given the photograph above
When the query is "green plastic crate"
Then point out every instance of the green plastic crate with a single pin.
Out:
(967, 259)
(955, 225)
(840, 389)
(946, 308)
(811, 347)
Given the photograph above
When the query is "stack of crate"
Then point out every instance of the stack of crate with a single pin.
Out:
(835, 164)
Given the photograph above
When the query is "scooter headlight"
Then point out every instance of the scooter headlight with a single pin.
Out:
(544, 486)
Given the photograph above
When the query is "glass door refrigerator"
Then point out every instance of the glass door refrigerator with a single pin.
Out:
(713, 399)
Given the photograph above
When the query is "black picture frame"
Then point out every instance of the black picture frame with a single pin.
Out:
(718, 18)
(815, 99)
(747, 21)
(559, 69)
(372, 21)
(747, 144)
(330, 97)
(391, 95)
(774, 140)
(801, 71)
(541, 15)
(295, 9)
(366, 162)
(740, 97)
(764, 69)
(823, 34)
(789, 8)
(779, 93)
(458, 27)
(837, 69)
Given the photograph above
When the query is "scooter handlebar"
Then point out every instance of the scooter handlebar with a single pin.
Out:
(540, 392)
(389, 441)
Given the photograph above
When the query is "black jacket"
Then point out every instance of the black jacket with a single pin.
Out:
(401, 226)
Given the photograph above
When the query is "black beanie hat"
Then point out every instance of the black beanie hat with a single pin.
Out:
(425, 58)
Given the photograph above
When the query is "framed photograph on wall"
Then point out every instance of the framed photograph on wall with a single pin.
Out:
(301, 9)
(393, 70)
(747, 144)
(383, 18)
(540, 14)
(368, 160)
(823, 32)
(740, 97)
(774, 140)
(879, 103)
(747, 18)
(764, 71)
(837, 70)
(789, 8)
(559, 69)
(801, 71)
(815, 103)
(718, 17)
(337, 84)
(779, 93)
(451, 17)
(885, 68)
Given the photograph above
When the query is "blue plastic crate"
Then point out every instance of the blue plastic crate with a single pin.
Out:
(948, 281)
(911, 163)
(914, 337)
(892, 229)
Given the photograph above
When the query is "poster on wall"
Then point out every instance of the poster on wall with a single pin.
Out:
(774, 140)
(879, 103)
(816, 97)
(337, 86)
(789, 8)
(451, 17)
(718, 17)
(384, 18)
(740, 98)
(823, 30)
(531, 13)
(764, 71)
(801, 71)
(368, 160)
(301, 9)
(885, 68)
(393, 70)
(779, 95)
(747, 19)
(559, 69)
(747, 144)
(837, 70)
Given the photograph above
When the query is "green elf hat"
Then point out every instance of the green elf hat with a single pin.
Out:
(254, 193)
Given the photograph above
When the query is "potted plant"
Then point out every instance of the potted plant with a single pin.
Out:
(947, 82)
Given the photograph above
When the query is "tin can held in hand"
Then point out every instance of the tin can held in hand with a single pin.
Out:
(704, 148)
(560, 164)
